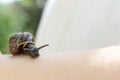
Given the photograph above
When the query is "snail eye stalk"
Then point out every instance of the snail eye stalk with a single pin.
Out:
(43, 46)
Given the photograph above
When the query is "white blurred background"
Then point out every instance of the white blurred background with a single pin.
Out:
(74, 25)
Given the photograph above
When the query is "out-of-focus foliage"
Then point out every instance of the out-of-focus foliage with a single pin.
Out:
(33, 12)
(17, 17)
(10, 23)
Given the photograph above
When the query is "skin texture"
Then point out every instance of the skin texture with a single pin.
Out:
(100, 64)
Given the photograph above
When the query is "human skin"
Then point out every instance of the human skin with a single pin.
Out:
(100, 64)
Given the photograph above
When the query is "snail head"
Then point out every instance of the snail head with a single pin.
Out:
(33, 51)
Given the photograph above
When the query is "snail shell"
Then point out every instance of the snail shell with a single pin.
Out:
(23, 44)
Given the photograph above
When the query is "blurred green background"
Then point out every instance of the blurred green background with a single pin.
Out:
(18, 16)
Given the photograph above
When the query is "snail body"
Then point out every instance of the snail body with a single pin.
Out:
(23, 44)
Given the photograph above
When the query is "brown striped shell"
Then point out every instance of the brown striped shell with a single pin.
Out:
(18, 41)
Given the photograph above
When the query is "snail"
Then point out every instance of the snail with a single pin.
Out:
(23, 44)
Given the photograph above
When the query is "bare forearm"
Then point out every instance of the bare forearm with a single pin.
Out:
(100, 64)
